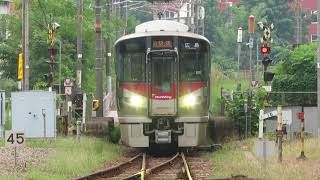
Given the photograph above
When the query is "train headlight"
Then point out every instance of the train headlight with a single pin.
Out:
(189, 101)
(135, 101)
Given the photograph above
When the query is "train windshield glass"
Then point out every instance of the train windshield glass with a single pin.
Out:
(193, 60)
(162, 73)
(132, 58)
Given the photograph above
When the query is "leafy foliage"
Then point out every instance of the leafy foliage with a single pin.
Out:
(41, 13)
(236, 111)
(296, 72)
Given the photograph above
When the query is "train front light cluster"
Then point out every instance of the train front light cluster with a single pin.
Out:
(136, 101)
(189, 101)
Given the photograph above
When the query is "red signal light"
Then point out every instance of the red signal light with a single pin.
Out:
(265, 50)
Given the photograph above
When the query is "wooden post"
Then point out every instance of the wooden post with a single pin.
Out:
(279, 133)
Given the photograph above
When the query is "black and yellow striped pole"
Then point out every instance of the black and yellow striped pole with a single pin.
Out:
(52, 27)
(302, 117)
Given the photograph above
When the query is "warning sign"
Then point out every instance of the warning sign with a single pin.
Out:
(254, 84)
(20, 67)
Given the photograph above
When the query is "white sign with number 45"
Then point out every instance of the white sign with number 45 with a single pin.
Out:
(15, 138)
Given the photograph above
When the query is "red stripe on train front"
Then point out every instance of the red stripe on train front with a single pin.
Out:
(138, 88)
(189, 87)
(184, 89)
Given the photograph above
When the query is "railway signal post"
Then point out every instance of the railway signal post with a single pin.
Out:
(52, 27)
(268, 76)
(239, 41)
(251, 31)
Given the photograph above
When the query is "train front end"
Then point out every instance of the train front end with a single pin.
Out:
(163, 87)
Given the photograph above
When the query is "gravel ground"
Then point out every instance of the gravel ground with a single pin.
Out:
(26, 158)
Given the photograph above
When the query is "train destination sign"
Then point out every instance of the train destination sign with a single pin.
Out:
(195, 45)
(162, 44)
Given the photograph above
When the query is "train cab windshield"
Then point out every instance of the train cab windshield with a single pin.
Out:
(132, 60)
(192, 66)
(193, 60)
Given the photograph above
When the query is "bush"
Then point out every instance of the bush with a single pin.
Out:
(115, 134)
(235, 109)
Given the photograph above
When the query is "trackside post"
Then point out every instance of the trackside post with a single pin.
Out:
(302, 117)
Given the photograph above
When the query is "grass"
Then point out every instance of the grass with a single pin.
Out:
(238, 158)
(70, 159)
(220, 80)
(225, 83)
(8, 124)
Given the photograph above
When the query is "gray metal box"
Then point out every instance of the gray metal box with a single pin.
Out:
(35, 112)
(2, 112)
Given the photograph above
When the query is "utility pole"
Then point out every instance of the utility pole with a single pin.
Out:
(298, 23)
(60, 66)
(99, 68)
(178, 15)
(126, 19)
(79, 45)
(318, 65)
(109, 49)
(189, 15)
(25, 48)
(117, 9)
(197, 16)
(202, 16)
(257, 73)
(192, 17)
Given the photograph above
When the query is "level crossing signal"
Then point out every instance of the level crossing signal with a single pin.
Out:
(265, 50)
(268, 76)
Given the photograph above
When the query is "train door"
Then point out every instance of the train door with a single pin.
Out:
(162, 83)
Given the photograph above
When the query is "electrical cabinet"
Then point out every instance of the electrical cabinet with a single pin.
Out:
(35, 112)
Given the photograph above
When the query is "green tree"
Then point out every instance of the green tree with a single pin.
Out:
(296, 71)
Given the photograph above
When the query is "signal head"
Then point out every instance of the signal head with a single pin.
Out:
(265, 50)
(268, 76)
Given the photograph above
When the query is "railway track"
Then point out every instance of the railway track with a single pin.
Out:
(146, 167)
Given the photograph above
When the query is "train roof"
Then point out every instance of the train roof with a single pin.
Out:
(162, 33)
(162, 28)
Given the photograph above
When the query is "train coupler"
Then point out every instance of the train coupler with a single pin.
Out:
(163, 136)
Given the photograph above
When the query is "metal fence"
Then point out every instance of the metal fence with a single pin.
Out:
(293, 98)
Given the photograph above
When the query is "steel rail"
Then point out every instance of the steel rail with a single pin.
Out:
(186, 167)
(150, 170)
(102, 173)
(143, 168)
(141, 173)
